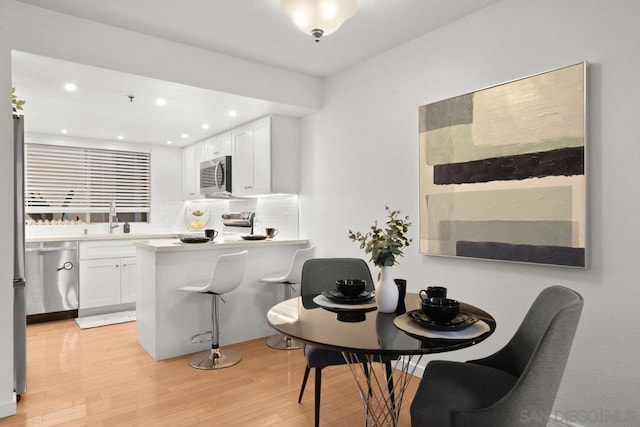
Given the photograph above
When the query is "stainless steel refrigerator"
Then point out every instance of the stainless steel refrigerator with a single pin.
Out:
(19, 307)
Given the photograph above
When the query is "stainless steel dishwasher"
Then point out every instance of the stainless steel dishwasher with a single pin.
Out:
(51, 275)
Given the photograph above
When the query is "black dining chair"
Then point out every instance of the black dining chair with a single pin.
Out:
(515, 386)
(320, 274)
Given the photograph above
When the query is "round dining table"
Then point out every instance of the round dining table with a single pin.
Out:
(366, 337)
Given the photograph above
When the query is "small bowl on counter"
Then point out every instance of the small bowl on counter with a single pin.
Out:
(254, 237)
(193, 238)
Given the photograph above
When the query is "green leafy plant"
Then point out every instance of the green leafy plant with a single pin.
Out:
(16, 104)
(385, 245)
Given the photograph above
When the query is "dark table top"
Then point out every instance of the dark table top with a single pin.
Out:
(363, 332)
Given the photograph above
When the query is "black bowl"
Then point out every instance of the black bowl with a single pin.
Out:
(350, 287)
(441, 312)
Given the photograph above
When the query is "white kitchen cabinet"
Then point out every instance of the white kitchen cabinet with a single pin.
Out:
(218, 146)
(266, 157)
(192, 156)
(108, 273)
(128, 279)
(224, 143)
(99, 282)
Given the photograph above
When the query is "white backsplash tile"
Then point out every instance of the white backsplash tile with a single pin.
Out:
(279, 212)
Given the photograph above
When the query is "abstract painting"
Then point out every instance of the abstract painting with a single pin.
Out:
(502, 171)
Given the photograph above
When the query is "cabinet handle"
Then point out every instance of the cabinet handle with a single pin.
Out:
(124, 265)
(248, 187)
(116, 266)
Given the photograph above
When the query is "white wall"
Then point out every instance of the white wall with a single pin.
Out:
(361, 152)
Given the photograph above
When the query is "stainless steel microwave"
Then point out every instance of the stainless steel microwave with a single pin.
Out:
(215, 177)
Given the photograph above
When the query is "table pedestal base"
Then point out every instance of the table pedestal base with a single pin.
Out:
(381, 389)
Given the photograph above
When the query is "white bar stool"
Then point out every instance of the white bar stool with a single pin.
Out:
(288, 279)
(227, 275)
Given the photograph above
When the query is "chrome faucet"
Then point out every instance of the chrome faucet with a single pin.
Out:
(113, 218)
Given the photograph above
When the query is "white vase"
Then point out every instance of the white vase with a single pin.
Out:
(386, 291)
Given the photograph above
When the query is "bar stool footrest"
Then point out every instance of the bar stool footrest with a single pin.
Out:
(196, 339)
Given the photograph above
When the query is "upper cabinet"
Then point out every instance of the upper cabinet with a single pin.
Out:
(265, 157)
(218, 146)
(192, 155)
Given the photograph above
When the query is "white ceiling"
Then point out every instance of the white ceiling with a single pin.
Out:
(100, 107)
(255, 30)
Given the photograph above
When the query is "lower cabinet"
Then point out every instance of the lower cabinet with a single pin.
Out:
(108, 273)
(128, 279)
(107, 281)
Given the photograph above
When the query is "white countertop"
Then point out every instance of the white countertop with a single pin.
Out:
(173, 245)
(96, 236)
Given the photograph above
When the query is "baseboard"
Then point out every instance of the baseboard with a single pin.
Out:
(9, 408)
(417, 368)
(96, 311)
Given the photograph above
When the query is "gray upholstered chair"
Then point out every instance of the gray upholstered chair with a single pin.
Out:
(320, 274)
(515, 386)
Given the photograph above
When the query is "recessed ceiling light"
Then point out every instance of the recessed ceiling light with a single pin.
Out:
(205, 126)
(232, 113)
(71, 87)
(169, 142)
(64, 131)
(161, 101)
(120, 137)
(185, 135)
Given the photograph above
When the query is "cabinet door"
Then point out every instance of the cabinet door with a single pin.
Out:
(261, 157)
(242, 162)
(188, 175)
(192, 156)
(211, 148)
(224, 144)
(252, 158)
(128, 279)
(99, 282)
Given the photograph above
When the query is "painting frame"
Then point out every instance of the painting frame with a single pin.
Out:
(503, 171)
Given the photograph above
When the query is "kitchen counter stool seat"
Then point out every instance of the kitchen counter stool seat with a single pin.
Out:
(288, 279)
(227, 275)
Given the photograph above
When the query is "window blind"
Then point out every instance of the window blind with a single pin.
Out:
(62, 179)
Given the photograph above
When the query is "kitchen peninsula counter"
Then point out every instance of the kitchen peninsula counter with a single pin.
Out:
(175, 245)
(167, 318)
(99, 236)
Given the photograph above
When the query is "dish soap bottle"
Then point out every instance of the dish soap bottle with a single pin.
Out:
(126, 228)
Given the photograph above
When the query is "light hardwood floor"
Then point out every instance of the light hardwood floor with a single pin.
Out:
(102, 377)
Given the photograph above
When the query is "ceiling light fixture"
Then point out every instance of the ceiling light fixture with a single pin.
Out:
(185, 135)
(70, 87)
(169, 142)
(205, 126)
(120, 137)
(319, 17)
(161, 101)
(64, 131)
(232, 113)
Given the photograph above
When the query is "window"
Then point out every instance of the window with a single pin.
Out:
(78, 184)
